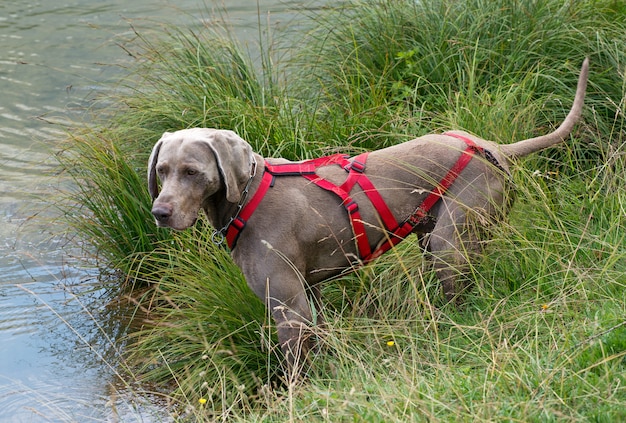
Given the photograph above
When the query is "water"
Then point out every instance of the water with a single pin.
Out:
(54, 57)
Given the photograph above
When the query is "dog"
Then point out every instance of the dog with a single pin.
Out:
(292, 225)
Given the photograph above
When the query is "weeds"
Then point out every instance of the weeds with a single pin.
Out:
(540, 337)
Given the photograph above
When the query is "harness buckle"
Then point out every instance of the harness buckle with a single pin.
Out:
(238, 223)
(357, 166)
(418, 216)
(352, 207)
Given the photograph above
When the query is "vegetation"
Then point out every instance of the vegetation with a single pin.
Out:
(542, 336)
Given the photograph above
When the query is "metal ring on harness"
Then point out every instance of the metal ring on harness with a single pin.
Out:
(217, 238)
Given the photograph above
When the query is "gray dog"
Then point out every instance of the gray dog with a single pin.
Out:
(292, 225)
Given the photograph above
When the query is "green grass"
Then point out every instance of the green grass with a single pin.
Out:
(541, 335)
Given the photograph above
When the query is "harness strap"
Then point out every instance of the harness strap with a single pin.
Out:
(239, 223)
(358, 228)
(421, 212)
(356, 176)
(355, 168)
(306, 169)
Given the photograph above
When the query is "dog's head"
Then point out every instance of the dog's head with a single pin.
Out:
(192, 165)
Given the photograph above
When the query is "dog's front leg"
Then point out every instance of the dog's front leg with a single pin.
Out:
(282, 288)
(294, 336)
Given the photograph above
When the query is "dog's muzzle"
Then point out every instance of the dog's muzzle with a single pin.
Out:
(162, 213)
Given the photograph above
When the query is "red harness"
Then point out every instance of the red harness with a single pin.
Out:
(355, 169)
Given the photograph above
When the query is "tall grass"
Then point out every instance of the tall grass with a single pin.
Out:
(541, 336)
(425, 60)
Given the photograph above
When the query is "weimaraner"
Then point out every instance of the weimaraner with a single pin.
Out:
(293, 228)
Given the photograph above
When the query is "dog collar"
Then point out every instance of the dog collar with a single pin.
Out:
(219, 235)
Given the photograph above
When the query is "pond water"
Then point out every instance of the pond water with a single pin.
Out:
(54, 57)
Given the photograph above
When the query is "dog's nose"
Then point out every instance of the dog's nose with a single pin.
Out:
(162, 212)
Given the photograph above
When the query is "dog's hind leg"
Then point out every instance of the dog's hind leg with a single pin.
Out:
(451, 244)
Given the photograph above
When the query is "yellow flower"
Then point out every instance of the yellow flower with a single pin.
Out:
(202, 401)
(390, 343)
(544, 307)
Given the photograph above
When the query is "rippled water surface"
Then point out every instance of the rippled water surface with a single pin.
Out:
(54, 57)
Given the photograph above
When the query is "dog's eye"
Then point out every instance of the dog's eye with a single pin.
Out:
(191, 172)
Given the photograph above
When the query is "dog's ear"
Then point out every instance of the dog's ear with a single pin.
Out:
(234, 160)
(153, 183)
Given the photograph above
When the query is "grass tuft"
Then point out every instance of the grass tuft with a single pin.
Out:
(540, 337)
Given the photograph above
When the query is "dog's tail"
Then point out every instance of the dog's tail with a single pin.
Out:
(525, 147)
